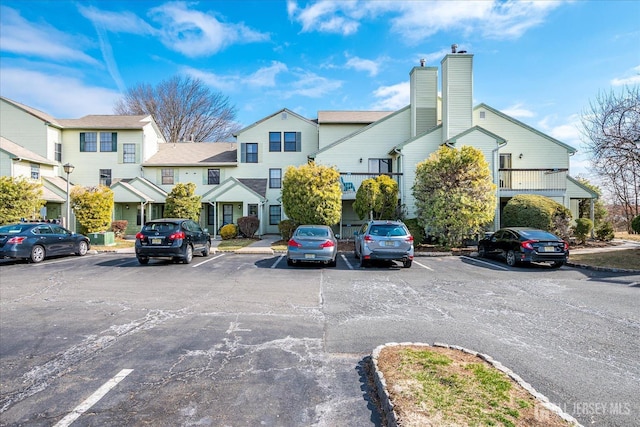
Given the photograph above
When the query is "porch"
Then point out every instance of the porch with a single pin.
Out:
(537, 181)
(351, 181)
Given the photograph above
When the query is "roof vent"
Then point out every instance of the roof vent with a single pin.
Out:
(454, 48)
(422, 62)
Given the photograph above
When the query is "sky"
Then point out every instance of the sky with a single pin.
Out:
(541, 62)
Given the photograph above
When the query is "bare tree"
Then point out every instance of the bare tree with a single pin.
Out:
(611, 132)
(184, 109)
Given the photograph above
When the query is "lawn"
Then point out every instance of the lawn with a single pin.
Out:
(231, 245)
(624, 258)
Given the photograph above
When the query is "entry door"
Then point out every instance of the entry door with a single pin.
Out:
(227, 214)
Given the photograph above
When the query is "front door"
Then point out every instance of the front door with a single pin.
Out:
(227, 214)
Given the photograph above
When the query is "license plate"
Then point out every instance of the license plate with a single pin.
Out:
(309, 256)
(549, 249)
(389, 243)
(156, 241)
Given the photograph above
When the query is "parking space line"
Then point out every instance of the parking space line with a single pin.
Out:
(347, 261)
(277, 261)
(93, 399)
(422, 265)
(485, 263)
(206, 261)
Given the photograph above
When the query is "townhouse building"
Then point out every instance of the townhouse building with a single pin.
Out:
(244, 177)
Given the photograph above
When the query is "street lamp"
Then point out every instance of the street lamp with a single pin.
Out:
(68, 168)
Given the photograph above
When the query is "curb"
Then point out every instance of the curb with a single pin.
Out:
(606, 269)
(391, 416)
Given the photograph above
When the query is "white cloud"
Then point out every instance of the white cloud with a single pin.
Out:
(392, 97)
(117, 22)
(310, 85)
(194, 33)
(41, 40)
(58, 95)
(265, 77)
(518, 111)
(367, 65)
(628, 81)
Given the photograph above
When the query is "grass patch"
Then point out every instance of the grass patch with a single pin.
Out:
(119, 244)
(234, 244)
(623, 235)
(624, 258)
(442, 387)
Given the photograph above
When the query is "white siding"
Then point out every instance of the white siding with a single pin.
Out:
(424, 99)
(24, 129)
(331, 132)
(457, 94)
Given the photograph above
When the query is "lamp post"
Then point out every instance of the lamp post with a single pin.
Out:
(68, 168)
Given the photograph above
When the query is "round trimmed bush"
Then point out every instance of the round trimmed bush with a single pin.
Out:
(229, 231)
(530, 210)
(604, 231)
(583, 228)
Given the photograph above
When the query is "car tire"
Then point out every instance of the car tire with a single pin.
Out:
(82, 248)
(207, 249)
(511, 258)
(356, 254)
(143, 260)
(482, 251)
(188, 254)
(289, 262)
(37, 254)
(364, 263)
(333, 262)
(557, 264)
(406, 264)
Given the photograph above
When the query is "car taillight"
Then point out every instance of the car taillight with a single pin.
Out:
(294, 244)
(566, 246)
(368, 238)
(327, 244)
(139, 236)
(528, 244)
(177, 235)
(409, 239)
(15, 240)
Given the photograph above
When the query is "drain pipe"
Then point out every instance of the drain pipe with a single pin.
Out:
(495, 156)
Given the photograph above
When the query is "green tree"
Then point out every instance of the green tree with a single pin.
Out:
(182, 202)
(93, 207)
(455, 195)
(311, 194)
(19, 198)
(377, 198)
(599, 209)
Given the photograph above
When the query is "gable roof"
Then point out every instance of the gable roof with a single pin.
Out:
(284, 110)
(106, 122)
(351, 117)
(569, 148)
(195, 154)
(492, 135)
(33, 111)
(255, 187)
(18, 152)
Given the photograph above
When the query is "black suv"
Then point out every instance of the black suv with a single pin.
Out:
(174, 238)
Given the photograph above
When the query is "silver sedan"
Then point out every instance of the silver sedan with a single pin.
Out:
(312, 243)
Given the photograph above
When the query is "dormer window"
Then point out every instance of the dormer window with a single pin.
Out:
(482, 114)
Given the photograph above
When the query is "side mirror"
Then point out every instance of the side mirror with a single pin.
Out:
(337, 236)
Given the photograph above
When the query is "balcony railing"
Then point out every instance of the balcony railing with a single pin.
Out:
(351, 181)
(533, 179)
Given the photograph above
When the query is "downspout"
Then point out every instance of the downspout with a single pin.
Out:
(142, 213)
(215, 214)
(495, 155)
(402, 186)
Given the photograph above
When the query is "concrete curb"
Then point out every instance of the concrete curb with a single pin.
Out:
(606, 269)
(387, 405)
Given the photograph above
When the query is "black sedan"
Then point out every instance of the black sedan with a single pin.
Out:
(521, 244)
(35, 241)
(175, 238)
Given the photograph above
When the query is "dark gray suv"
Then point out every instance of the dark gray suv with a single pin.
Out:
(175, 238)
(384, 240)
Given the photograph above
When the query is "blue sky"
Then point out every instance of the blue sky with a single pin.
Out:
(541, 62)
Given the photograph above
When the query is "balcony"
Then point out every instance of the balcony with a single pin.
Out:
(351, 181)
(546, 182)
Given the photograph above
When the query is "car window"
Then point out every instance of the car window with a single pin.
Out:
(538, 235)
(13, 229)
(42, 229)
(58, 230)
(161, 227)
(387, 230)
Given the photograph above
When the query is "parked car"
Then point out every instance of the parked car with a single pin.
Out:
(176, 238)
(522, 244)
(312, 243)
(384, 240)
(35, 241)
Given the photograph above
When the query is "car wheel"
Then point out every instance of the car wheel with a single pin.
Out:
(482, 252)
(364, 263)
(355, 253)
(188, 254)
(289, 261)
(37, 254)
(557, 264)
(333, 262)
(406, 264)
(207, 249)
(511, 258)
(82, 248)
(143, 260)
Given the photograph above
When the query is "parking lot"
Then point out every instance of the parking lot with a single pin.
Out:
(244, 340)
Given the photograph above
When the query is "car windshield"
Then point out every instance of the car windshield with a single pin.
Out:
(161, 227)
(538, 235)
(14, 228)
(313, 232)
(387, 230)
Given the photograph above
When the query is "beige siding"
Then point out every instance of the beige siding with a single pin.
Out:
(424, 99)
(24, 129)
(330, 133)
(457, 94)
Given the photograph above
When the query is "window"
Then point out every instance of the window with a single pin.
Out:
(380, 165)
(128, 153)
(105, 177)
(275, 178)
(275, 141)
(167, 176)
(211, 215)
(108, 141)
(482, 114)
(88, 141)
(213, 176)
(274, 214)
(58, 152)
(35, 171)
(292, 141)
(252, 210)
(227, 214)
(249, 152)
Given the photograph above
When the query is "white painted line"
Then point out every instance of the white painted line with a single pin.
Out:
(422, 265)
(93, 399)
(486, 263)
(206, 261)
(347, 261)
(277, 261)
